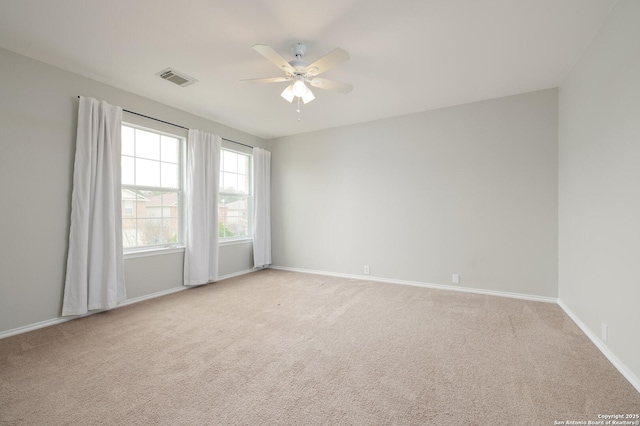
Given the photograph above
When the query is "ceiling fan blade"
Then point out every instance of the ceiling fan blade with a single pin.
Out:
(266, 80)
(330, 60)
(334, 86)
(274, 58)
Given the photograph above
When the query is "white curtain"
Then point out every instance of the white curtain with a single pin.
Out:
(201, 201)
(95, 272)
(262, 208)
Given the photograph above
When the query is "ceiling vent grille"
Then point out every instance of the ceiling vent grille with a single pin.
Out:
(176, 77)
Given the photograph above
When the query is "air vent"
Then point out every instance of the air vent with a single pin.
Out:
(176, 77)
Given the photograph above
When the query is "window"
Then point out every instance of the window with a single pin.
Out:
(151, 188)
(234, 198)
(128, 208)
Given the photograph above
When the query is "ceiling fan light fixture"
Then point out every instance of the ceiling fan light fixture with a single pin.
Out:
(308, 97)
(298, 72)
(287, 93)
(299, 88)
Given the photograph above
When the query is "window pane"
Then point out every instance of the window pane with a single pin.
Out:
(147, 172)
(233, 216)
(149, 232)
(169, 149)
(128, 177)
(127, 141)
(229, 161)
(230, 182)
(170, 224)
(128, 209)
(243, 164)
(222, 230)
(243, 184)
(169, 178)
(153, 205)
(157, 216)
(147, 145)
(128, 203)
(170, 199)
(170, 231)
(129, 233)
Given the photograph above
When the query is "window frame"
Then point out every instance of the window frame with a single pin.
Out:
(164, 248)
(223, 241)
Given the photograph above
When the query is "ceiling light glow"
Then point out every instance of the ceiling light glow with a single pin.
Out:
(299, 89)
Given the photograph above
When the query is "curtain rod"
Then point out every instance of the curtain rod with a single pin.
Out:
(176, 125)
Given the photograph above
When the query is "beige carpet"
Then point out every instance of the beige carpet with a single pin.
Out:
(277, 347)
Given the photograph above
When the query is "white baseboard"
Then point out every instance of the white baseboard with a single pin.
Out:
(619, 365)
(36, 326)
(151, 296)
(60, 320)
(425, 285)
(237, 274)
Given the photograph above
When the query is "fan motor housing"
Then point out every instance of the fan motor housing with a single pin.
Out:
(298, 49)
(299, 65)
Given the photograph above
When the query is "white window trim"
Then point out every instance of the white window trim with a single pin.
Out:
(152, 251)
(144, 251)
(232, 241)
(227, 241)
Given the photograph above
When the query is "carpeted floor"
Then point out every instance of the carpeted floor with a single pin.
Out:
(283, 348)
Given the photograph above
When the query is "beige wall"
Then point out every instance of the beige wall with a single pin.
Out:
(599, 185)
(470, 190)
(38, 117)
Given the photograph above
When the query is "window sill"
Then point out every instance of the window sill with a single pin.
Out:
(157, 251)
(235, 241)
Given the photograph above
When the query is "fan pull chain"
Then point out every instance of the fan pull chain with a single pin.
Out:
(298, 109)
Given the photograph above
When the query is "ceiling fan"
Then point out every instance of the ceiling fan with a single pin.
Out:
(299, 72)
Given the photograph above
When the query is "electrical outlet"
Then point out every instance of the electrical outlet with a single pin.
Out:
(366, 269)
(605, 332)
(455, 278)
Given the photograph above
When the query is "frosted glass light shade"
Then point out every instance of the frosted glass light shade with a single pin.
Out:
(287, 94)
(308, 97)
(299, 89)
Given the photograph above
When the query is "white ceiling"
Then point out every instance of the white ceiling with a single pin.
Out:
(406, 55)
